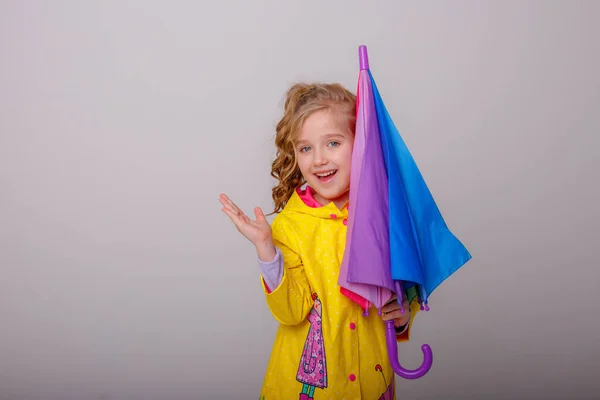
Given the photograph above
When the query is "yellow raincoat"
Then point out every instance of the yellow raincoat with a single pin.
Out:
(324, 347)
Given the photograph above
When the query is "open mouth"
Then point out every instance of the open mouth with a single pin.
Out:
(326, 176)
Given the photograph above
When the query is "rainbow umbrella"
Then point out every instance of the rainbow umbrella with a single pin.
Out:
(397, 241)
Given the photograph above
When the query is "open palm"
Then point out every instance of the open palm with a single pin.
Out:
(258, 231)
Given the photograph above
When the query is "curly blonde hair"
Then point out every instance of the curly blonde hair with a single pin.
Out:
(302, 100)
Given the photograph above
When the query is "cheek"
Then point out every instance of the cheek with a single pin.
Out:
(304, 165)
(345, 158)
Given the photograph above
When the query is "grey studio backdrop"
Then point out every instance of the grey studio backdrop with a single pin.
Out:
(122, 121)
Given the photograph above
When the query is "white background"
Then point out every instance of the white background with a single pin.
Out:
(122, 121)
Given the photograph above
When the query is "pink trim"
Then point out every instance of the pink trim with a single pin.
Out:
(266, 287)
(361, 301)
(307, 197)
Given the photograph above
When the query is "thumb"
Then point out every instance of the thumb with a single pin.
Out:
(260, 216)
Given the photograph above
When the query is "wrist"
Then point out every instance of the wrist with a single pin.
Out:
(266, 251)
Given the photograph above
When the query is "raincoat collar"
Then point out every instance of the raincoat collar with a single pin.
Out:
(304, 202)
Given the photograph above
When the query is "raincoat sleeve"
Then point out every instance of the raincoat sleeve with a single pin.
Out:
(415, 307)
(291, 301)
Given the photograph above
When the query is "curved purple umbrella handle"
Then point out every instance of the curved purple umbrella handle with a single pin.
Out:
(392, 346)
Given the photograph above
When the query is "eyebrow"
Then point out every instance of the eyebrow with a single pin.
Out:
(337, 134)
(327, 136)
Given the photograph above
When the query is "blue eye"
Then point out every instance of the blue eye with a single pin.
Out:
(304, 149)
(334, 144)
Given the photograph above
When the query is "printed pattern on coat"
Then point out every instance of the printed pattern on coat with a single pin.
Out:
(389, 392)
(312, 371)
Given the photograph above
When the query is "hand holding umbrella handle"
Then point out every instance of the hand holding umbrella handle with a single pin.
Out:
(392, 346)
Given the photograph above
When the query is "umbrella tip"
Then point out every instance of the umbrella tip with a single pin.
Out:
(363, 57)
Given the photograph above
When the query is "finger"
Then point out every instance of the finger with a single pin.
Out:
(392, 300)
(232, 210)
(394, 315)
(234, 217)
(390, 307)
(260, 216)
(233, 205)
(392, 304)
(388, 316)
(230, 213)
(225, 202)
(404, 306)
(224, 199)
(246, 218)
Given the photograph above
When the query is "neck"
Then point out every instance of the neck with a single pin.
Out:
(339, 202)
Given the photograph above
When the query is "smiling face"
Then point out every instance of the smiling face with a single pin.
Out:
(324, 153)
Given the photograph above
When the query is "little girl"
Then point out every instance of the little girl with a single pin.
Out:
(324, 348)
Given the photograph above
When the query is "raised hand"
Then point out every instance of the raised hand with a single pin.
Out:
(258, 231)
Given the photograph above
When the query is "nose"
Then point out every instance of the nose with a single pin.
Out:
(318, 158)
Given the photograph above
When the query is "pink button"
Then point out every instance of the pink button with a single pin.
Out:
(345, 221)
(352, 325)
(333, 216)
(352, 377)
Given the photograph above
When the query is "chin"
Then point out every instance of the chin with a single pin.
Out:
(329, 192)
(330, 195)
